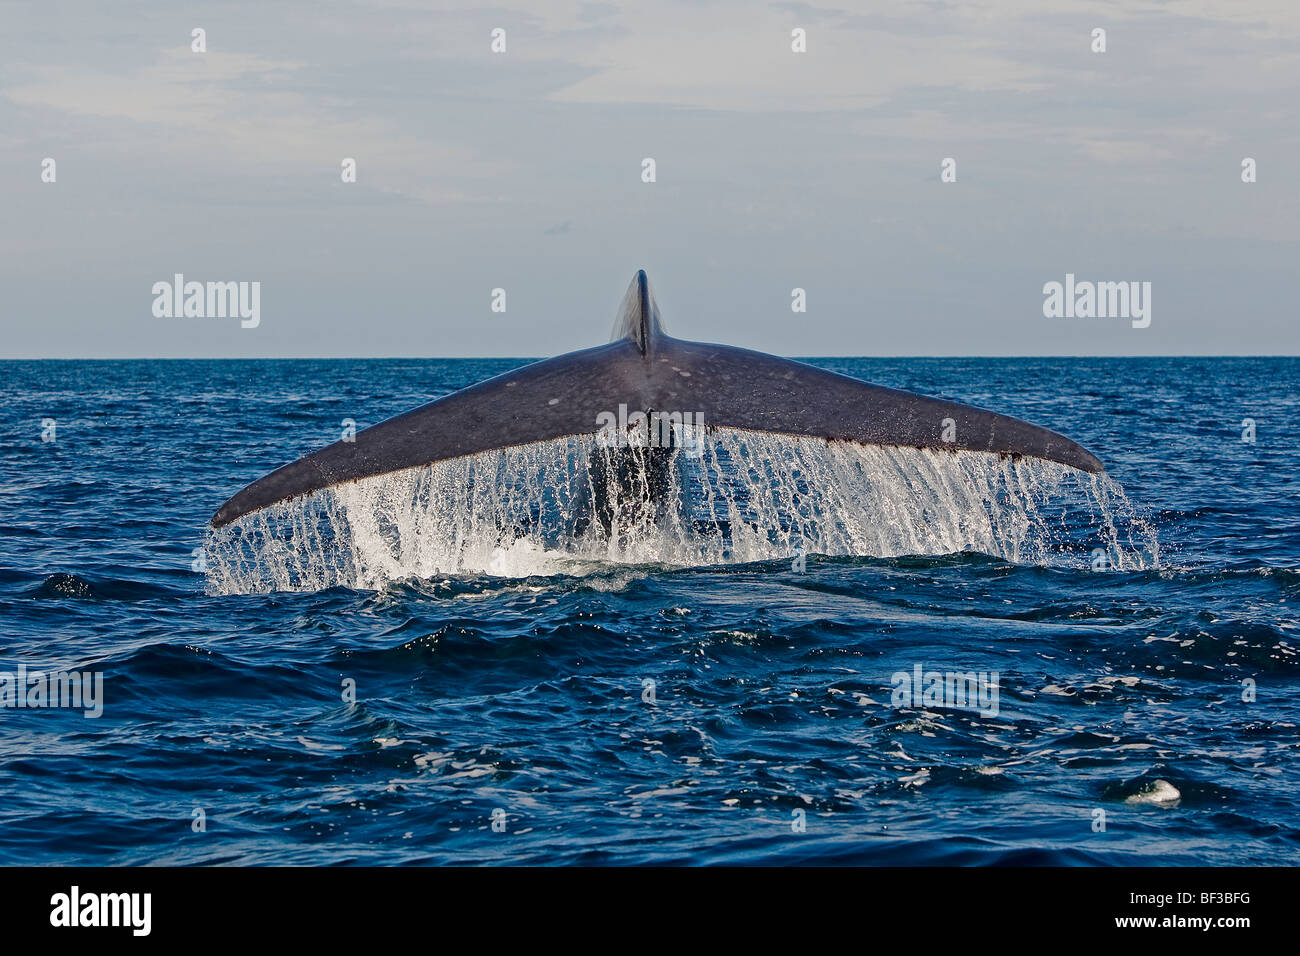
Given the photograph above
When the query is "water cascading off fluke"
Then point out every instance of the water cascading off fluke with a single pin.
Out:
(746, 497)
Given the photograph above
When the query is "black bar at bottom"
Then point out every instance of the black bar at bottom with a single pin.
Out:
(945, 906)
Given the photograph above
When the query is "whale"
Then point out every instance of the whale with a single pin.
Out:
(659, 378)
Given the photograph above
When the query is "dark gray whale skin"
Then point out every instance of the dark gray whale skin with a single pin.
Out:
(646, 369)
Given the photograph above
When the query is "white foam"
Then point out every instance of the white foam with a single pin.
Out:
(1157, 792)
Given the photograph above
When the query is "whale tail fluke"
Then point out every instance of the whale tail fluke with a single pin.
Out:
(644, 369)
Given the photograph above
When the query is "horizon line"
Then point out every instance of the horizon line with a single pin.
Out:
(525, 358)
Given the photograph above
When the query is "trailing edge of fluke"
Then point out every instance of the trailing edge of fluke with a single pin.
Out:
(646, 369)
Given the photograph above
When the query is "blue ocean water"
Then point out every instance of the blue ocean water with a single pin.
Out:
(1146, 716)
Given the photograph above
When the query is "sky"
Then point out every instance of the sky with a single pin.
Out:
(522, 170)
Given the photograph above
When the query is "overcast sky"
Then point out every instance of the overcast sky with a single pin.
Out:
(523, 170)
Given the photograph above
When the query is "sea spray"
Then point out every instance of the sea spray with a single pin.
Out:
(747, 497)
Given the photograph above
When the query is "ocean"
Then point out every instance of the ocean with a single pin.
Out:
(791, 693)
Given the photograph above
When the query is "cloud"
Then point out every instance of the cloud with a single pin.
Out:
(235, 111)
(733, 57)
(776, 169)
